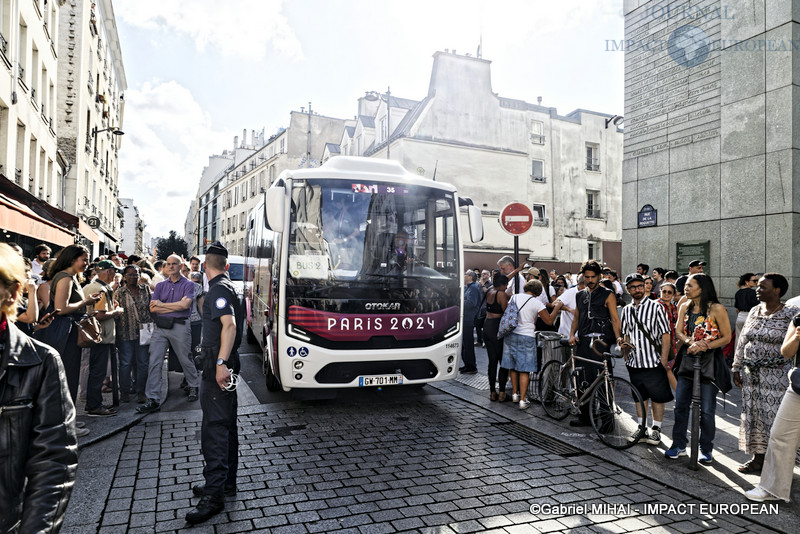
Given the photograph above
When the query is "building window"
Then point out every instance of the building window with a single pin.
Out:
(539, 215)
(593, 204)
(592, 157)
(594, 251)
(537, 132)
(537, 171)
(384, 134)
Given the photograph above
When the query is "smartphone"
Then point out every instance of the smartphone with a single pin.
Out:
(48, 315)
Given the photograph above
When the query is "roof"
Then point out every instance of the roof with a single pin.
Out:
(367, 121)
(333, 148)
(350, 131)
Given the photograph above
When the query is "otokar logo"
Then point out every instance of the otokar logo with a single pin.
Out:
(688, 46)
(382, 306)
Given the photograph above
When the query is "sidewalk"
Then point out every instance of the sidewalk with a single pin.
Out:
(101, 428)
(718, 483)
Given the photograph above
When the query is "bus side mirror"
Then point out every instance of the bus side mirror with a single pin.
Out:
(475, 223)
(275, 207)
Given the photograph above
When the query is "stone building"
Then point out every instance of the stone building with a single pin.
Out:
(206, 209)
(497, 150)
(132, 231)
(711, 138)
(240, 184)
(90, 108)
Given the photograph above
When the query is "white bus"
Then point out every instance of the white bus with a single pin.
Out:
(354, 276)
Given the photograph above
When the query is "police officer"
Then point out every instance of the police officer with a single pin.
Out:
(222, 335)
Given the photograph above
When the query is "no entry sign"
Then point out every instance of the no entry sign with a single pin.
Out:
(516, 218)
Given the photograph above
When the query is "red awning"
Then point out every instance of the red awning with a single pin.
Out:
(18, 218)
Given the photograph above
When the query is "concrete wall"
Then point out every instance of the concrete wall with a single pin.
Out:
(724, 165)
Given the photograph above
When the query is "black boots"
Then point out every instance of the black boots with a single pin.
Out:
(207, 508)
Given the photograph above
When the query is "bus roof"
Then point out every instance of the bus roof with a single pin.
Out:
(352, 167)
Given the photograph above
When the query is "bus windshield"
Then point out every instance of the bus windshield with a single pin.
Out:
(366, 241)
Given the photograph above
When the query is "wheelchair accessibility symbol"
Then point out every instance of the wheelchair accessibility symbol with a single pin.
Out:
(291, 351)
(303, 352)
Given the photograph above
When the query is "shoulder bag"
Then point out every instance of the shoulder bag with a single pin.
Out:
(656, 346)
(510, 319)
(89, 331)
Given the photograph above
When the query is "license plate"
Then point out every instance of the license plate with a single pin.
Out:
(380, 380)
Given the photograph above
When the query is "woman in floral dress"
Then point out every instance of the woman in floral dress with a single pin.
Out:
(760, 369)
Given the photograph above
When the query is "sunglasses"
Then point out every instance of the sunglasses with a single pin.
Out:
(668, 292)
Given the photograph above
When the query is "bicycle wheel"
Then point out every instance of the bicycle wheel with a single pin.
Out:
(554, 390)
(612, 410)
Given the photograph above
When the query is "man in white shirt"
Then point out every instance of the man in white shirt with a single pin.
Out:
(507, 267)
(566, 304)
(40, 255)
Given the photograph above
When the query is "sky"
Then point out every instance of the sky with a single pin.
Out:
(201, 71)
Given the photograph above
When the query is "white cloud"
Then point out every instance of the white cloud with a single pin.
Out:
(242, 28)
(168, 138)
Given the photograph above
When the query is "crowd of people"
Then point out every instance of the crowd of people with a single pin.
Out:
(62, 320)
(661, 323)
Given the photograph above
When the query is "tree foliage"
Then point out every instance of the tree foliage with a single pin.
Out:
(174, 244)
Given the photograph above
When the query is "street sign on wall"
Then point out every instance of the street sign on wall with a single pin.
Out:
(516, 218)
(648, 216)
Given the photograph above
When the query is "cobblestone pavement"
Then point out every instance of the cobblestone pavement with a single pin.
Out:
(395, 460)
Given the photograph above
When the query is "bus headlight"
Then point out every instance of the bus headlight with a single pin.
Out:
(298, 377)
(450, 359)
(298, 364)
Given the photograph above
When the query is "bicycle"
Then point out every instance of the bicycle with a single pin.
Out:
(612, 400)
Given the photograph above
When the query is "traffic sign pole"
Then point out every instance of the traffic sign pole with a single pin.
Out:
(516, 262)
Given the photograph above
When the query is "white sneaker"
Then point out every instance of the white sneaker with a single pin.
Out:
(759, 494)
(515, 397)
(80, 432)
(524, 404)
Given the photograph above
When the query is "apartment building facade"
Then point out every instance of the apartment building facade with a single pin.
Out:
(91, 106)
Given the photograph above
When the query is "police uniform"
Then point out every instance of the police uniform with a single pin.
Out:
(219, 431)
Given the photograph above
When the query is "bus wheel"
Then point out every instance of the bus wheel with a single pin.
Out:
(251, 338)
(272, 381)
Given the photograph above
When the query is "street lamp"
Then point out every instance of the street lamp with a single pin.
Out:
(374, 96)
(113, 129)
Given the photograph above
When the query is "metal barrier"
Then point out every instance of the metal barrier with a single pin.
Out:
(550, 347)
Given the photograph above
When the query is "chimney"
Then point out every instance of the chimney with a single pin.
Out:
(235, 142)
(244, 137)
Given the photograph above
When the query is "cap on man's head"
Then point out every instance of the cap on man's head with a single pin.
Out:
(531, 270)
(106, 264)
(218, 249)
(633, 277)
(696, 263)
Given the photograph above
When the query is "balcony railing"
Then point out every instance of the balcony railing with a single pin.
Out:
(592, 164)
(537, 139)
(592, 213)
(3, 44)
(538, 179)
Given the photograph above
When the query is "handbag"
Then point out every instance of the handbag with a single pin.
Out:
(165, 323)
(794, 379)
(510, 319)
(686, 368)
(89, 331)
